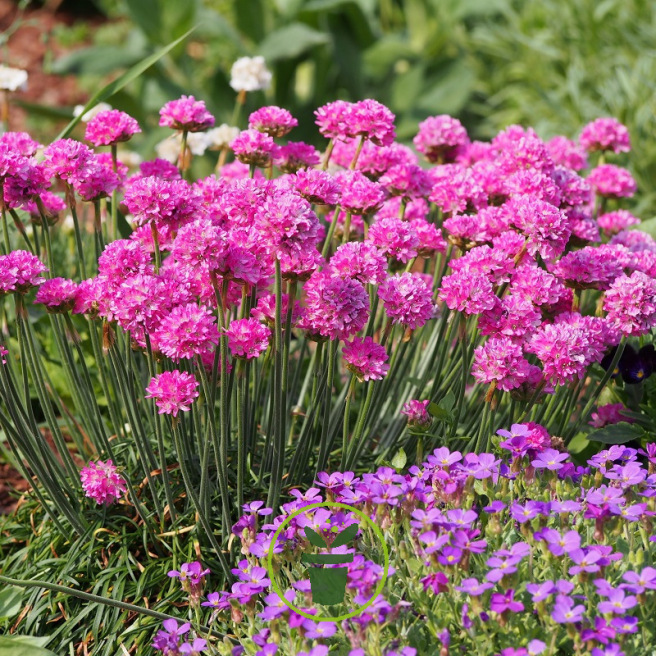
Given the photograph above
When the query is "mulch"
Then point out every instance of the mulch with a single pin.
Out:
(12, 485)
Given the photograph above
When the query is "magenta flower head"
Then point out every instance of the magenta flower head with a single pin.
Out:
(417, 413)
(20, 271)
(296, 155)
(66, 158)
(439, 138)
(102, 482)
(373, 121)
(612, 181)
(254, 148)
(502, 602)
(111, 127)
(316, 186)
(247, 338)
(366, 359)
(173, 391)
(57, 294)
(333, 119)
(631, 303)
(408, 300)
(274, 121)
(605, 134)
(186, 114)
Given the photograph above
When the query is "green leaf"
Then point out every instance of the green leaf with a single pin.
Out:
(345, 536)
(315, 538)
(399, 460)
(11, 601)
(23, 646)
(616, 433)
(448, 401)
(442, 410)
(291, 41)
(127, 77)
(451, 90)
(147, 14)
(96, 60)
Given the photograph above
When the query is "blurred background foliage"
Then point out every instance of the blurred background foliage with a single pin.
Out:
(553, 64)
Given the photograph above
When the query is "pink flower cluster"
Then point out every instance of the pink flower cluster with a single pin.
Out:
(173, 391)
(102, 482)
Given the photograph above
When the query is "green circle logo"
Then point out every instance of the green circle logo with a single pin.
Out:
(328, 504)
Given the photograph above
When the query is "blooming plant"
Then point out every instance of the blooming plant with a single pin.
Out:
(301, 312)
(513, 553)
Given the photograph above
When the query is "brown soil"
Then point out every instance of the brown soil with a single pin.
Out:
(12, 485)
(27, 48)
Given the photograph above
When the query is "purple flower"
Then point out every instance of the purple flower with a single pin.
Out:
(565, 612)
(316, 630)
(637, 583)
(501, 602)
(617, 602)
(550, 459)
(585, 561)
(560, 544)
(449, 556)
(473, 587)
(541, 591)
(612, 649)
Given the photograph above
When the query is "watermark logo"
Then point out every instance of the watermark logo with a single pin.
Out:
(328, 584)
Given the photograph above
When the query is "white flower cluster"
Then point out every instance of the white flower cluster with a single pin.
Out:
(94, 111)
(197, 142)
(12, 79)
(250, 74)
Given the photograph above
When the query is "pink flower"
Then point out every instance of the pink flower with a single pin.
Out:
(18, 142)
(439, 138)
(406, 180)
(102, 482)
(111, 127)
(57, 294)
(296, 155)
(361, 261)
(500, 360)
(247, 338)
(373, 121)
(66, 158)
(253, 147)
(335, 308)
(96, 180)
(316, 186)
(605, 134)
(188, 330)
(20, 271)
(333, 119)
(566, 152)
(394, 238)
(359, 194)
(408, 300)
(365, 358)
(614, 222)
(187, 114)
(173, 391)
(274, 121)
(417, 413)
(631, 303)
(611, 413)
(612, 181)
(468, 292)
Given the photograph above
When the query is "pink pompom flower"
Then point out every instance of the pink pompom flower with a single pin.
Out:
(253, 147)
(20, 271)
(186, 114)
(611, 413)
(417, 413)
(57, 294)
(605, 134)
(631, 303)
(173, 391)
(102, 482)
(247, 338)
(272, 120)
(111, 127)
(439, 137)
(612, 181)
(408, 300)
(365, 358)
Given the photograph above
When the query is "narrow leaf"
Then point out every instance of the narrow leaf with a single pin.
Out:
(399, 460)
(127, 77)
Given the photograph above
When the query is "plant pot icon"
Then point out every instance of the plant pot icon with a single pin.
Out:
(328, 585)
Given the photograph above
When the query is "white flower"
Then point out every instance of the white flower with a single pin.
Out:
(169, 149)
(130, 158)
(94, 111)
(250, 74)
(222, 136)
(12, 78)
(68, 225)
